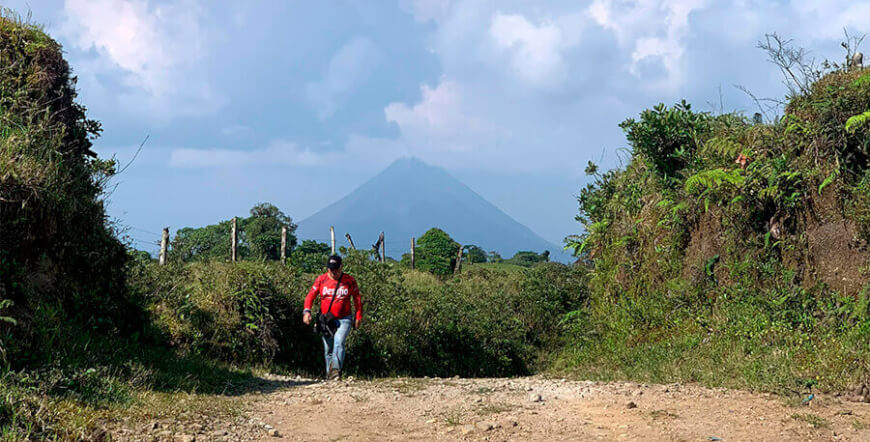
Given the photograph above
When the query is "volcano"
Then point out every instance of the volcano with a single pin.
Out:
(408, 198)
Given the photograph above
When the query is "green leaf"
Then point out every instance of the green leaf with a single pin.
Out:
(830, 179)
(857, 121)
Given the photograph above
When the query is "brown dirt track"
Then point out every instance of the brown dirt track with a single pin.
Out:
(505, 410)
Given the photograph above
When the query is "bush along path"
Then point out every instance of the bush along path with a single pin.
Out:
(503, 409)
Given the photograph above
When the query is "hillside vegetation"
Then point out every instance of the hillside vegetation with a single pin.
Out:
(484, 322)
(733, 252)
(728, 251)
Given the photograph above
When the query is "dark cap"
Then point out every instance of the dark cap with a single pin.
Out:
(334, 262)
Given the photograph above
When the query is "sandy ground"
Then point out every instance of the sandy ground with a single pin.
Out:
(509, 409)
(534, 408)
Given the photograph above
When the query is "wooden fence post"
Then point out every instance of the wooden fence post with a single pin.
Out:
(234, 238)
(383, 248)
(283, 244)
(332, 238)
(164, 244)
(413, 253)
(347, 235)
(376, 246)
(458, 268)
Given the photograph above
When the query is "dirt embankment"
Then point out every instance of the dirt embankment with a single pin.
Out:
(522, 409)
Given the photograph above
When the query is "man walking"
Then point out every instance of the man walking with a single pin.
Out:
(336, 290)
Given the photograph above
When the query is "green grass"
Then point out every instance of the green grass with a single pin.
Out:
(453, 417)
(95, 383)
(813, 420)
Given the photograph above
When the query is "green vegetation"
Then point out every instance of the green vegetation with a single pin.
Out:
(310, 256)
(528, 259)
(484, 322)
(730, 252)
(473, 254)
(727, 252)
(259, 237)
(436, 252)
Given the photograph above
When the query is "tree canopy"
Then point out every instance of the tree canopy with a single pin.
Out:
(259, 237)
(310, 256)
(436, 252)
(528, 259)
(474, 254)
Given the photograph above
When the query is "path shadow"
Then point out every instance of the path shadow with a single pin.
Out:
(263, 386)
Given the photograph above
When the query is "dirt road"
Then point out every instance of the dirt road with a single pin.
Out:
(520, 409)
(544, 409)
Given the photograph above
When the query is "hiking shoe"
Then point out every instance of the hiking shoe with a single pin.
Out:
(334, 374)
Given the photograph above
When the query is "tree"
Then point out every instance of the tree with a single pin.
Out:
(310, 256)
(528, 259)
(203, 243)
(263, 231)
(436, 252)
(259, 237)
(494, 256)
(474, 254)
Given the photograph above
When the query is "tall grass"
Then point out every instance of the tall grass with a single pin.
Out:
(483, 322)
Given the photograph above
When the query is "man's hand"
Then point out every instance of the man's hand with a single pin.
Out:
(306, 318)
(356, 324)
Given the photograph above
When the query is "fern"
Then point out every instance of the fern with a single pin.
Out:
(827, 182)
(713, 179)
(861, 81)
(723, 147)
(794, 124)
(857, 121)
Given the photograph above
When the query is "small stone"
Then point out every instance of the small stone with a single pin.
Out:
(186, 438)
(274, 433)
(431, 421)
(478, 400)
(219, 433)
(510, 422)
(467, 429)
(267, 427)
(631, 405)
(483, 426)
(535, 397)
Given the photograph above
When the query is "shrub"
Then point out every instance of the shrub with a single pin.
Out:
(57, 247)
(436, 252)
(667, 138)
(481, 323)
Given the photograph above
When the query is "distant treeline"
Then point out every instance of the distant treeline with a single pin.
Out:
(259, 238)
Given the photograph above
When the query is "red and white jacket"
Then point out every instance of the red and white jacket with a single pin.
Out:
(324, 286)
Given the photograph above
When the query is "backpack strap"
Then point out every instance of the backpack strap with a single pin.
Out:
(335, 293)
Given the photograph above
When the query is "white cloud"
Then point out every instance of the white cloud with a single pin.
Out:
(830, 16)
(154, 46)
(277, 152)
(359, 151)
(441, 121)
(350, 67)
(655, 30)
(536, 51)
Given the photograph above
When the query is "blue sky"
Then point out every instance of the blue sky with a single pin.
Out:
(299, 102)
